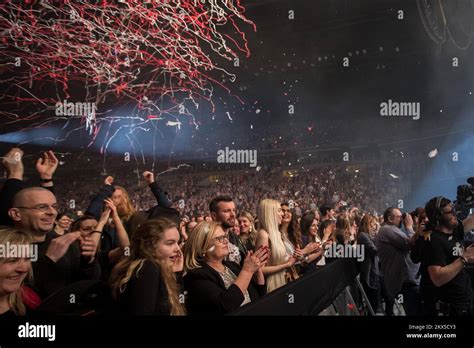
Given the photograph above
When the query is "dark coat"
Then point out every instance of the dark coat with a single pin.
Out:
(207, 293)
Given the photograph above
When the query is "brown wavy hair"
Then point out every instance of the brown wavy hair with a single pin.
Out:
(125, 209)
(142, 248)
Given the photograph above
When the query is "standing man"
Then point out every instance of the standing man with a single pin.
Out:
(399, 273)
(223, 210)
(443, 273)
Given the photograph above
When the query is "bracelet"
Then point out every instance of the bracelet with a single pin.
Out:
(45, 181)
(96, 231)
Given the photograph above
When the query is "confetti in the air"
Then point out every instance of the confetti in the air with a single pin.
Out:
(433, 153)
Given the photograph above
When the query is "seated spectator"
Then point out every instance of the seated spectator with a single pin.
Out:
(145, 283)
(214, 285)
(13, 271)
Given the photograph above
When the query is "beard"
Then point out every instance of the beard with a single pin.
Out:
(121, 210)
(227, 225)
(446, 222)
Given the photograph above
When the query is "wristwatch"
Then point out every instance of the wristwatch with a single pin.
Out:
(305, 258)
(464, 260)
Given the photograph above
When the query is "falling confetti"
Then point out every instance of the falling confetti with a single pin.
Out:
(393, 176)
(174, 124)
(157, 55)
(433, 153)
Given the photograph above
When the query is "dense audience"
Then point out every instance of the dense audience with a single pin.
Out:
(203, 244)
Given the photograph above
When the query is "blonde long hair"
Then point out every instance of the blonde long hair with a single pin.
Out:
(14, 236)
(268, 221)
(252, 232)
(125, 209)
(142, 248)
(198, 243)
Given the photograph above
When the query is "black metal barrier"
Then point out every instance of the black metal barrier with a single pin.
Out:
(308, 295)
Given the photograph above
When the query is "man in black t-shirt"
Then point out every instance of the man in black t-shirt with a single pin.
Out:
(443, 276)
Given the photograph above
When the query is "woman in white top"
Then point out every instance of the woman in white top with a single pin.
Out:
(269, 217)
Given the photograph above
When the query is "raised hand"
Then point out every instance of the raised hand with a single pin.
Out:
(149, 177)
(47, 165)
(408, 221)
(60, 245)
(255, 261)
(109, 180)
(13, 163)
(88, 248)
(111, 206)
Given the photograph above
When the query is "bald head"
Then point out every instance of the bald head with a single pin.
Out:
(34, 210)
(23, 197)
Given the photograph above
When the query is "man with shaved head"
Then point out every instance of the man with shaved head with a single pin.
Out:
(34, 210)
(61, 260)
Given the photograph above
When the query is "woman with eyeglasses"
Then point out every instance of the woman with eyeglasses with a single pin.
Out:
(214, 285)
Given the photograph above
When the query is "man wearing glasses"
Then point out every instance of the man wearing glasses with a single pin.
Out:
(399, 273)
(444, 280)
(62, 260)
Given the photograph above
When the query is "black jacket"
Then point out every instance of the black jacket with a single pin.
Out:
(49, 276)
(207, 293)
(146, 293)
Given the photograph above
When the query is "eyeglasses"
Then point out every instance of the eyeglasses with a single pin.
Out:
(44, 208)
(221, 239)
(452, 211)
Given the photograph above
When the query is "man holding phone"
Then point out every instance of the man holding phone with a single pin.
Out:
(444, 279)
(393, 245)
